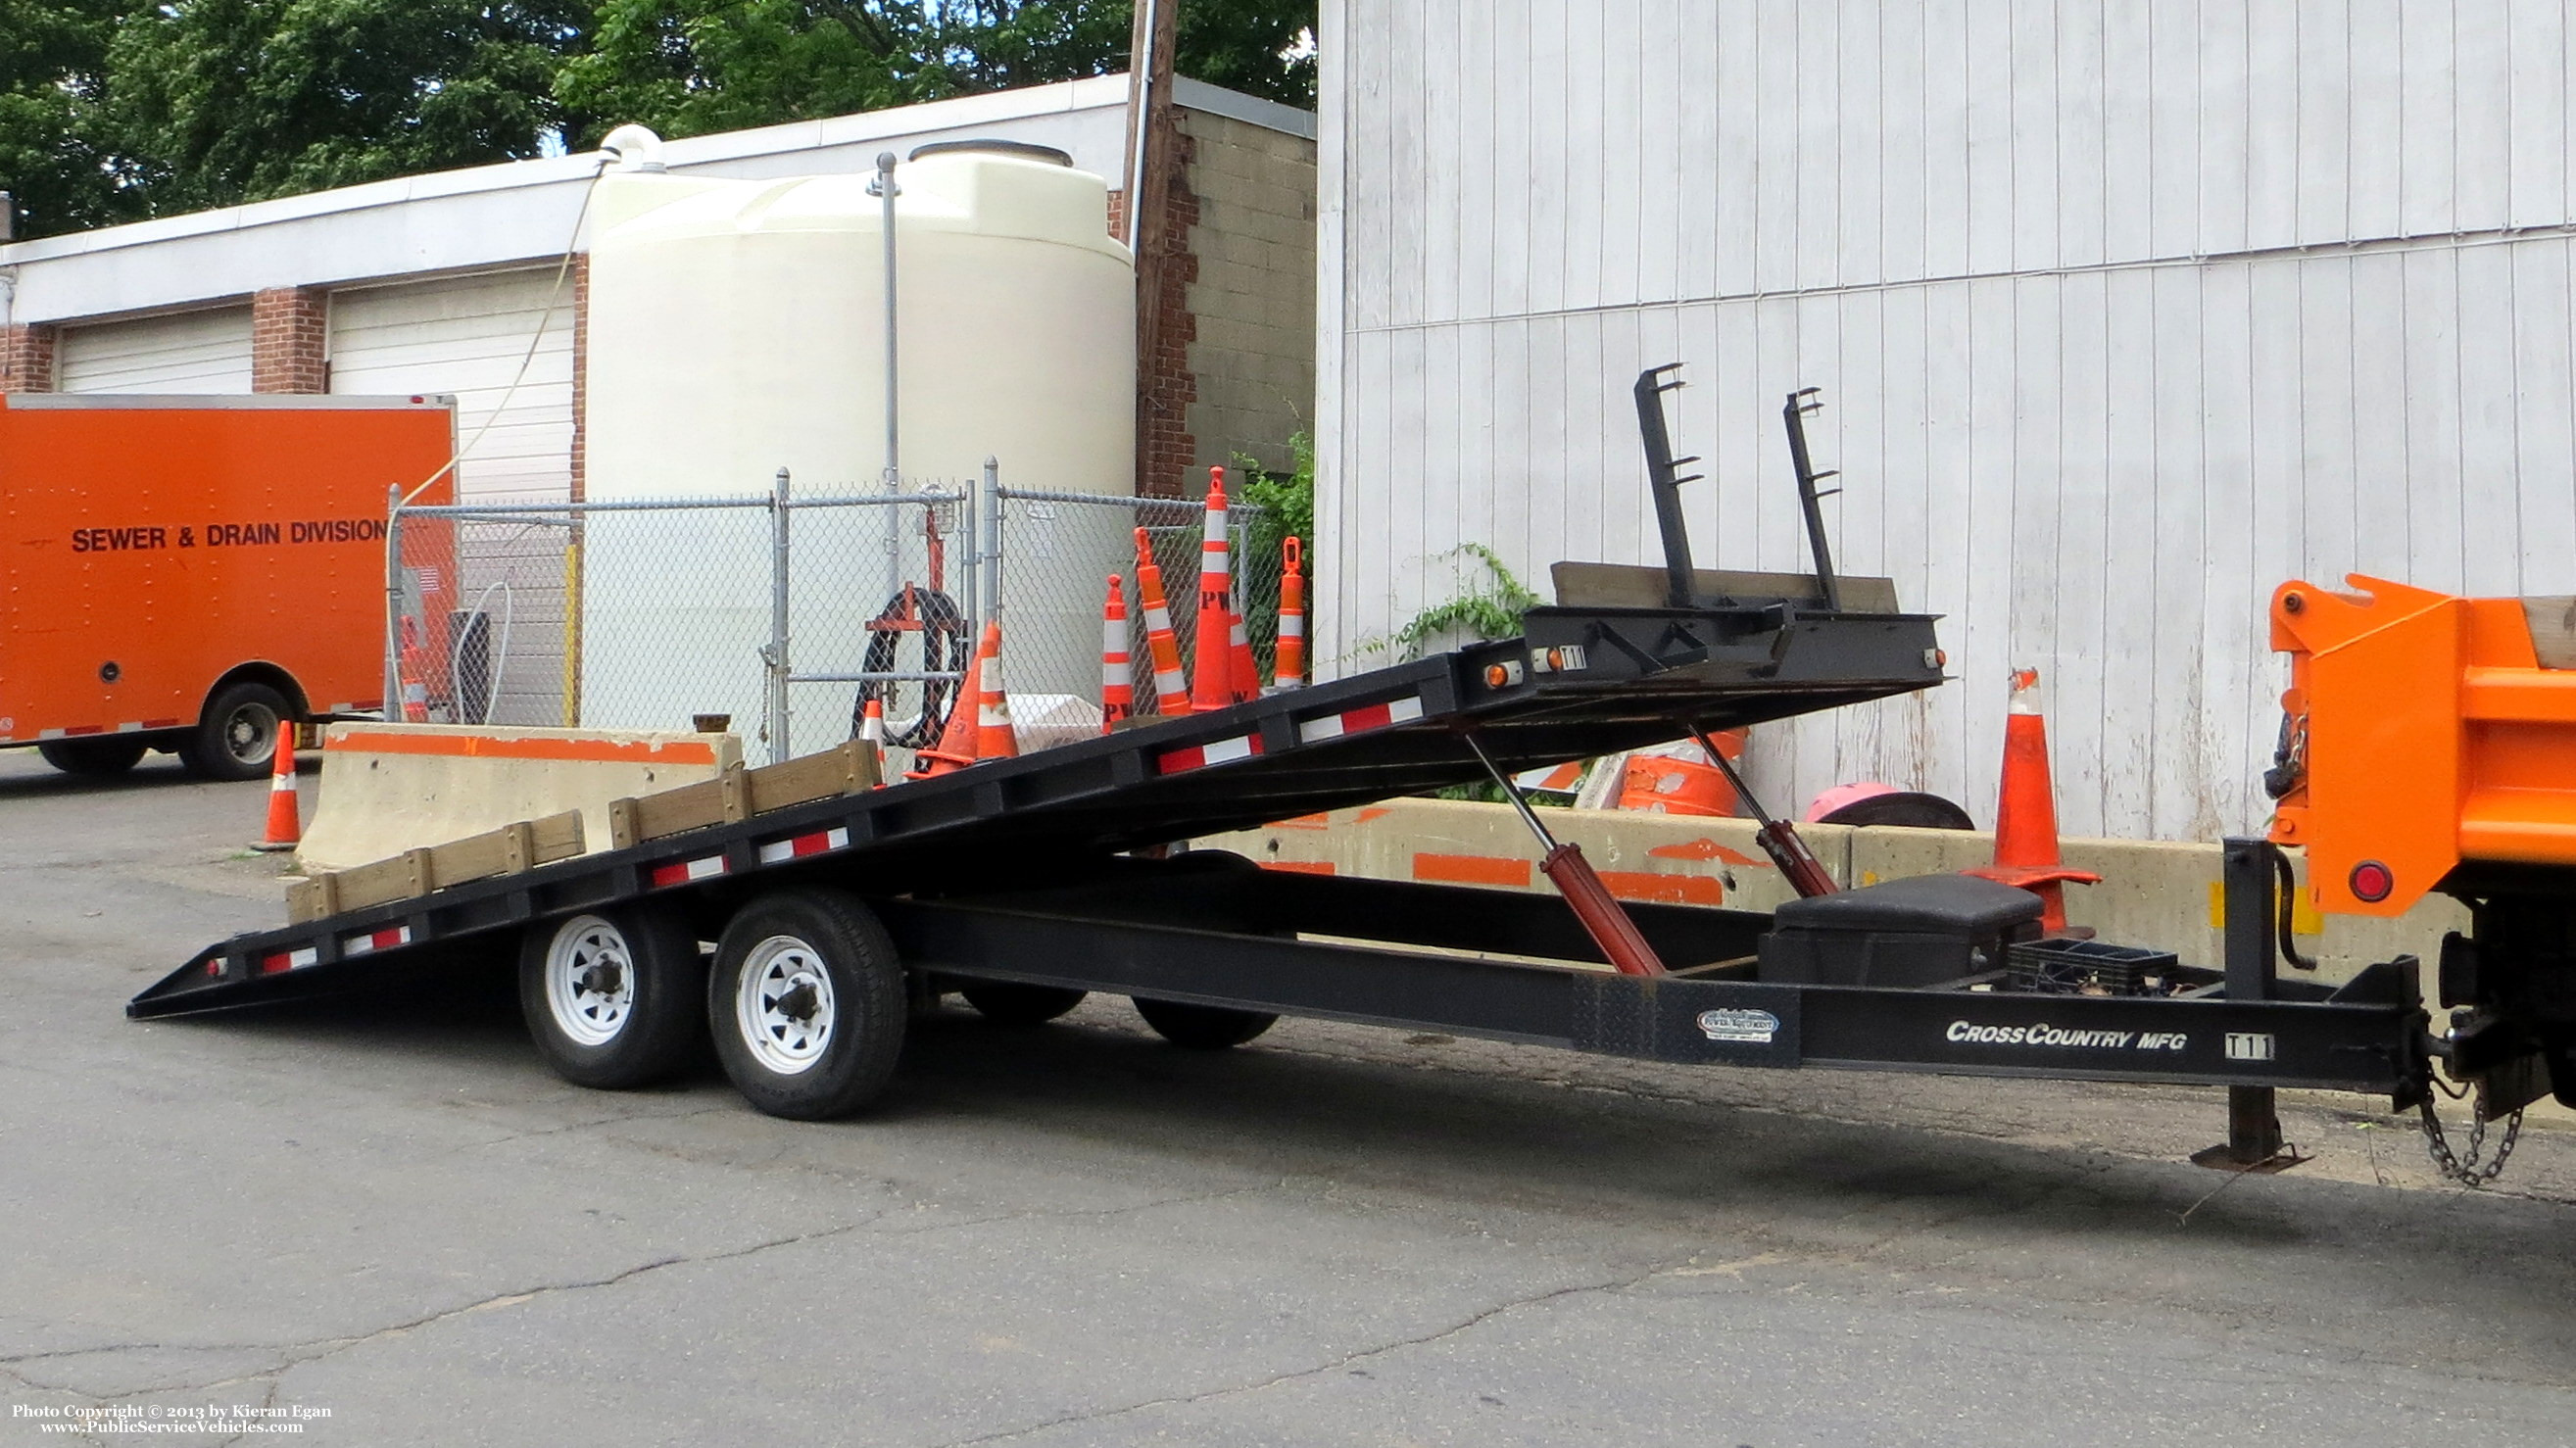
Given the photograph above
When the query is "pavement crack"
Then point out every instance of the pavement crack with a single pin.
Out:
(1468, 1323)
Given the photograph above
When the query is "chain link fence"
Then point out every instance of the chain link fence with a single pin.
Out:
(777, 614)
(1057, 551)
(782, 614)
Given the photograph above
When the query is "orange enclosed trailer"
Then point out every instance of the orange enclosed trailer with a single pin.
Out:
(190, 573)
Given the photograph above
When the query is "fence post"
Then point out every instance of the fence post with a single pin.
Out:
(393, 602)
(991, 582)
(776, 654)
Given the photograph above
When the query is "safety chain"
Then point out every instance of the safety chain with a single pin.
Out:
(2471, 1172)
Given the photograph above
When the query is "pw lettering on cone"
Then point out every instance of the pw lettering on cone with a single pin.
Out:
(1117, 673)
(1171, 687)
(285, 827)
(1212, 681)
(1288, 669)
(2026, 814)
(1247, 670)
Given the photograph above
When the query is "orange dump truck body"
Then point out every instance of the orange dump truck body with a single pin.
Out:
(154, 548)
(2426, 733)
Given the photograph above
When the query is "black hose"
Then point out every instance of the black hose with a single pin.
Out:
(944, 649)
(2288, 898)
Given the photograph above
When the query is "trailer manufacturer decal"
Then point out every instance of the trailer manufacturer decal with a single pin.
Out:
(1749, 1027)
(2050, 1037)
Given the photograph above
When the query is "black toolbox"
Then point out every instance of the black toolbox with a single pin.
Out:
(1918, 931)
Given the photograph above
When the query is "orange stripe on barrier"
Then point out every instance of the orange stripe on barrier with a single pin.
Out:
(1299, 867)
(1471, 869)
(1304, 822)
(475, 746)
(1372, 812)
(1702, 849)
(1656, 889)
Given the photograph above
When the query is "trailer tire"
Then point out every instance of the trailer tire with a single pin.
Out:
(1203, 1028)
(101, 758)
(807, 1003)
(612, 999)
(236, 738)
(1009, 1003)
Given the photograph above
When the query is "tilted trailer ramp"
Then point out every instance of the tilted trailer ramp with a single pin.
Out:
(1015, 882)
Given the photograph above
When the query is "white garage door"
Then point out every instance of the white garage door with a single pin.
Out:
(206, 351)
(468, 336)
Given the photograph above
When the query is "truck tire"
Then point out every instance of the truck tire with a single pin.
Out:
(236, 738)
(1203, 1028)
(807, 1004)
(1008, 1003)
(99, 758)
(612, 999)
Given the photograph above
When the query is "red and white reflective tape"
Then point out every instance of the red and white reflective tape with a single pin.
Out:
(288, 960)
(681, 872)
(1354, 721)
(1178, 761)
(385, 939)
(817, 843)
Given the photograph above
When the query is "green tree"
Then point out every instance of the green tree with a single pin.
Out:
(53, 64)
(687, 67)
(214, 102)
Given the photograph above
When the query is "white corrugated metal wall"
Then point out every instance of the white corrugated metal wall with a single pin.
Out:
(471, 336)
(2124, 312)
(201, 351)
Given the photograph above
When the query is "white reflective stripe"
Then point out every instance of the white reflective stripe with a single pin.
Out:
(1158, 618)
(49, 734)
(1292, 625)
(1168, 682)
(681, 873)
(373, 940)
(280, 782)
(289, 960)
(814, 844)
(1353, 721)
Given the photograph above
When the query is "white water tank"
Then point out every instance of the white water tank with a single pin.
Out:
(737, 327)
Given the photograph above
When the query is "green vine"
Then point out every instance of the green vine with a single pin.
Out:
(1488, 608)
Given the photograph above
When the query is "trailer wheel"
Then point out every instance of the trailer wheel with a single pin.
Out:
(807, 1003)
(1008, 1003)
(98, 758)
(1203, 1028)
(237, 736)
(612, 1000)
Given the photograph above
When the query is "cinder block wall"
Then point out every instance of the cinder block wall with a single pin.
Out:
(1252, 357)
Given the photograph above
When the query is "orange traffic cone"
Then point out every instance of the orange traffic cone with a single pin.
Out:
(1117, 674)
(956, 747)
(1246, 669)
(1212, 682)
(995, 738)
(1288, 669)
(285, 827)
(872, 732)
(2026, 814)
(1171, 686)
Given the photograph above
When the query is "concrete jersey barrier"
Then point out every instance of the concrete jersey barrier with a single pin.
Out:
(390, 788)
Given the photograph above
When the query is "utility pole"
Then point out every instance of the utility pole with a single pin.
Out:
(1152, 139)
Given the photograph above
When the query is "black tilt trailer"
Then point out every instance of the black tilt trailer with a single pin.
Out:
(1023, 883)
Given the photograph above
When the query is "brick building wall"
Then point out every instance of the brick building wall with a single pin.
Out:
(26, 358)
(290, 340)
(1166, 450)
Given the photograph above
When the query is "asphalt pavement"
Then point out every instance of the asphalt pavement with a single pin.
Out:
(377, 1219)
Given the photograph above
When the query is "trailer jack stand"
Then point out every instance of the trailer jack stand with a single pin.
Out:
(2253, 966)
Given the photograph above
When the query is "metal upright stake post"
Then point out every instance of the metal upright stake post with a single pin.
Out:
(2253, 1128)
(393, 602)
(990, 504)
(779, 749)
(886, 191)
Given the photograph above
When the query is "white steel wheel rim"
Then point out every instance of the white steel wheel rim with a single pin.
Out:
(784, 1006)
(590, 980)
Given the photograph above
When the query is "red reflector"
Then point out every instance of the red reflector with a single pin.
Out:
(2371, 882)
